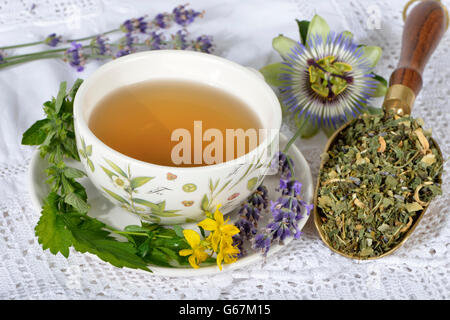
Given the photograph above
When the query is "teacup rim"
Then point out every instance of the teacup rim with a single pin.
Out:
(84, 126)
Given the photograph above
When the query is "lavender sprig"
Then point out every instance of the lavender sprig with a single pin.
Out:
(286, 211)
(78, 55)
(75, 56)
(53, 40)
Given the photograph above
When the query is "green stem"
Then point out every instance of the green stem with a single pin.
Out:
(36, 53)
(92, 37)
(67, 41)
(28, 59)
(292, 140)
(22, 45)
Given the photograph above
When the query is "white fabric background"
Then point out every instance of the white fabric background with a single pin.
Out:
(243, 30)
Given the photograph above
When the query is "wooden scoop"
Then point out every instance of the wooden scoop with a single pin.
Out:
(423, 30)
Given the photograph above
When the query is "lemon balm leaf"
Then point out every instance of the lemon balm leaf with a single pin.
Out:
(51, 229)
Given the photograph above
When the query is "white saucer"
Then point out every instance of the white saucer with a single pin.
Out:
(105, 211)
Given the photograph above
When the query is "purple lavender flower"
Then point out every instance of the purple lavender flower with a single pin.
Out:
(135, 24)
(163, 20)
(262, 242)
(155, 41)
(126, 45)
(99, 46)
(203, 44)
(247, 228)
(259, 198)
(179, 40)
(281, 162)
(284, 224)
(183, 16)
(239, 243)
(52, 40)
(74, 55)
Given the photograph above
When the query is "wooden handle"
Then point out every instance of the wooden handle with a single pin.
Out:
(423, 30)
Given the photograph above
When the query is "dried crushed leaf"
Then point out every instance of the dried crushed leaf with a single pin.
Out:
(377, 177)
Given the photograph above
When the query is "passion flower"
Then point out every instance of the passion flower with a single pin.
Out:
(325, 79)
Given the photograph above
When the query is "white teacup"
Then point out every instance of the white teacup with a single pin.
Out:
(172, 195)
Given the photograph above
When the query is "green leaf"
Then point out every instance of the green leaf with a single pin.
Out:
(61, 96)
(51, 230)
(178, 230)
(303, 27)
(272, 73)
(116, 168)
(283, 45)
(318, 26)
(36, 134)
(382, 86)
(89, 236)
(204, 203)
(73, 173)
(77, 202)
(115, 196)
(146, 203)
(90, 164)
(89, 150)
(372, 54)
(139, 181)
(75, 88)
(108, 172)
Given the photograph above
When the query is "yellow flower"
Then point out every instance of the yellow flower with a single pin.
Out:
(219, 229)
(197, 253)
(228, 253)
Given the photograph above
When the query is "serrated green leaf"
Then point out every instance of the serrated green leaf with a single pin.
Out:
(92, 238)
(115, 196)
(77, 202)
(51, 229)
(272, 73)
(61, 96)
(36, 134)
(139, 181)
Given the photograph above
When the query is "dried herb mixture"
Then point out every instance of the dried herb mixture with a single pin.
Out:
(377, 177)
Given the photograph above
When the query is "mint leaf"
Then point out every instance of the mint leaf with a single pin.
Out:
(51, 229)
(36, 134)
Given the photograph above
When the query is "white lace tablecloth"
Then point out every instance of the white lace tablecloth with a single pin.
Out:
(243, 31)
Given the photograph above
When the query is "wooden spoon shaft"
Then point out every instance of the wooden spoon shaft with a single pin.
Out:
(424, 28)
